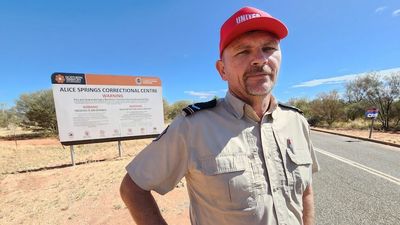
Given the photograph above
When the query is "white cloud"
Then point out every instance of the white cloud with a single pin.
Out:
(341, 79)
(202, 94)
(396, 12)
(380, 9)
(332, 80)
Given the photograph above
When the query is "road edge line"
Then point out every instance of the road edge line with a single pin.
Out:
(375, 172)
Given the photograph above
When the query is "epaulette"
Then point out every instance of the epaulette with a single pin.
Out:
(290, 107)
(191, 109)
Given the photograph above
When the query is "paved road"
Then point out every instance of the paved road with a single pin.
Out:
(359, 182)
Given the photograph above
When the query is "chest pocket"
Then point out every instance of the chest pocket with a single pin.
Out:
(228, 181)
(299, 167)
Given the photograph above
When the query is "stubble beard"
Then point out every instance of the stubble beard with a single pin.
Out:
(262, 87)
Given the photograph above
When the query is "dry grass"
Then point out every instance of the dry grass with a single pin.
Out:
(48, 152)
(358, 124)
(4, 132)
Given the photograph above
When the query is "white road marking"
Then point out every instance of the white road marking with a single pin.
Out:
(360, 166)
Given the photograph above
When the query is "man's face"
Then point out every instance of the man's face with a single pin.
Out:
(250, 64)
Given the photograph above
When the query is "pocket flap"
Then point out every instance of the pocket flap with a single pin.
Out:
(300, 156)
(223, 164)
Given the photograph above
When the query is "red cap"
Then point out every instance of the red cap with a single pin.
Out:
(248, 19)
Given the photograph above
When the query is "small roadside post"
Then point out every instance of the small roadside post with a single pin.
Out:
(371, 113)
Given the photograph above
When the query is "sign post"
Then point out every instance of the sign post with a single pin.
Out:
(71, 149)
(119, 149)
(371, 113)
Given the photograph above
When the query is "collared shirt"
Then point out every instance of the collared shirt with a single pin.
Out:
(240, 169)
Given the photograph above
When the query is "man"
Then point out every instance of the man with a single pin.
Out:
(247, 160)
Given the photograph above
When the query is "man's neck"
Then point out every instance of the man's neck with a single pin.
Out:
(260, 104)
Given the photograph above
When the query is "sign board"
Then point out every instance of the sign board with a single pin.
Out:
(97, 108)
(372, 113)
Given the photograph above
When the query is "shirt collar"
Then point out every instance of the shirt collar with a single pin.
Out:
(235, 104)
(239, 108)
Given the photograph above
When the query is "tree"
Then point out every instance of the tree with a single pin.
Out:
(8, 117)
(355, 110)
(328, 107)
(37, 111)
(176, 108)
(166, 109)
(395, 114)
(3, 115)
(3, 118)
(378, 91)
(303, 104)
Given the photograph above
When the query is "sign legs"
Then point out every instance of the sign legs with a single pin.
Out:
(372, 126)
(71, 148)
(119, 149)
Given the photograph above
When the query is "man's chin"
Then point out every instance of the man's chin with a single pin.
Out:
(261, 91)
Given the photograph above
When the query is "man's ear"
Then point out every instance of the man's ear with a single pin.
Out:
(221, 69)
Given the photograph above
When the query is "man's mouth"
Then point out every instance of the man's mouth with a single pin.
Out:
(257, 75)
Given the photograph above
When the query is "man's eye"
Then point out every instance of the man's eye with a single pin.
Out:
(269, 49)
(243, 52)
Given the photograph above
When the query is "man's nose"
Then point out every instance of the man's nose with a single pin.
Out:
(260, 58)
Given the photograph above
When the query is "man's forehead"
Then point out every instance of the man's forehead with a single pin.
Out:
(248, 37)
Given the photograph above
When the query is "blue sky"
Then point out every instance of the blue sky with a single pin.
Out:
(328, 43)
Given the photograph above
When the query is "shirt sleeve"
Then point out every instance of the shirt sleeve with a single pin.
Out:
(315, 164)
(164, 162)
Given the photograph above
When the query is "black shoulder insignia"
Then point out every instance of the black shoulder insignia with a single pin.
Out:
(190, 109)
(290, 107)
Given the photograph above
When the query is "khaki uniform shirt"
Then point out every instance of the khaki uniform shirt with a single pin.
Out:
(240, 169)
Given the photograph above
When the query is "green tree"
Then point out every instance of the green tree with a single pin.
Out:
(9, 117)
(176, 108)
(303, 104)
(395, 114)
(3, 118)
(355, 110)
(328, 107)
(378, 91)
(166, 109)
(37, 111)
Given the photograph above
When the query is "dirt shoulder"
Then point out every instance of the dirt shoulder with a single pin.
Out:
(376, 136)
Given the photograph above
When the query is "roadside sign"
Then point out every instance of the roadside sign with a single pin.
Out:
(372, 113)
(94, 108)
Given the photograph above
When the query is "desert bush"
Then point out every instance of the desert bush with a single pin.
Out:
(37, 111)
(303, 104)
(176, 108)
(328, 107)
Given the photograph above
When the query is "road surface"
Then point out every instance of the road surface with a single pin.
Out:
(359, 182)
